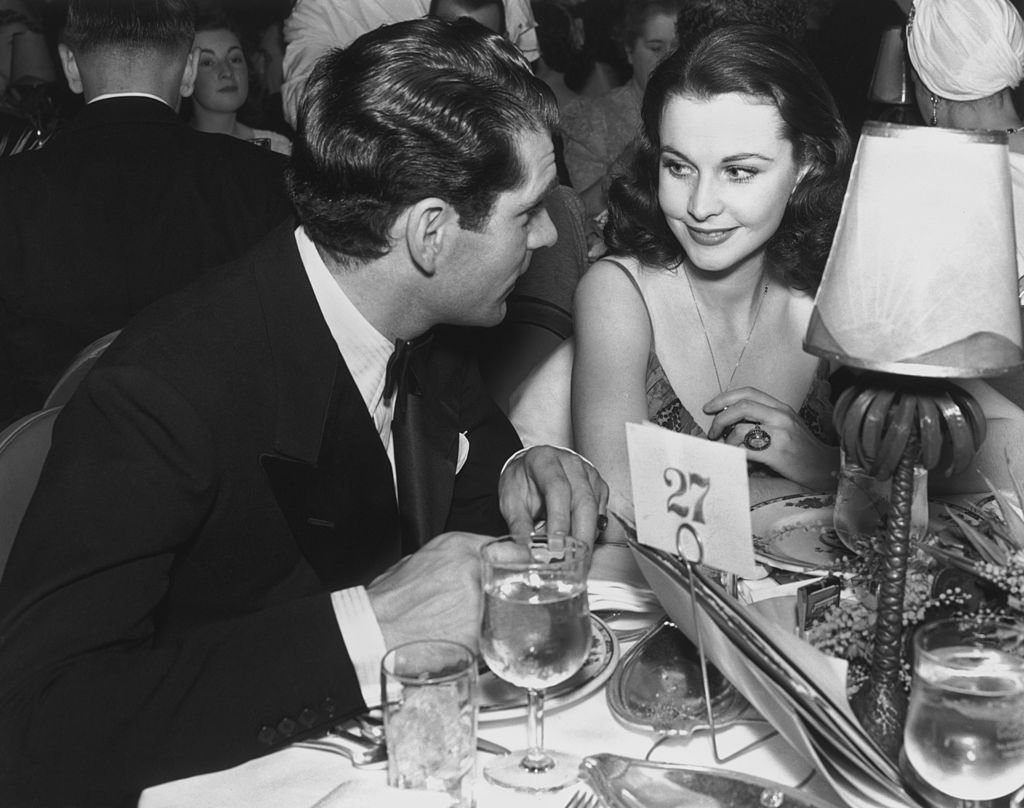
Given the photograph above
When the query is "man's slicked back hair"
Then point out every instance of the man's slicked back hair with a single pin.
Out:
(164, 25)
(418, 109)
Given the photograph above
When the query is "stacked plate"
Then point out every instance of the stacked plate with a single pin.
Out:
(796, 532)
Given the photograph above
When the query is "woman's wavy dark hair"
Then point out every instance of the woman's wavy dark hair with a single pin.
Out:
(756, 61)
(418, 109)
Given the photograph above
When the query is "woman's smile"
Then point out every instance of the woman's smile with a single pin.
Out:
(710, 238)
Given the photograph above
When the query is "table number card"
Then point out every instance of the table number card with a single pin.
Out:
(684, 487)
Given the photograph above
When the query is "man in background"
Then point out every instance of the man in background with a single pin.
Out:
(126, 204)
(316, 26)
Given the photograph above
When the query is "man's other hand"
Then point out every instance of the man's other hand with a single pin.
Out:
(557, 485)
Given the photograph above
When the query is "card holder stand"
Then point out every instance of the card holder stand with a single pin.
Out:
(731, 586)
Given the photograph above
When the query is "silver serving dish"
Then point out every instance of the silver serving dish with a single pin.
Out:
(623, 782)
(658, 686)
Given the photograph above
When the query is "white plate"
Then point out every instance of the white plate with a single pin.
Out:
(500, 701)
(796, 532)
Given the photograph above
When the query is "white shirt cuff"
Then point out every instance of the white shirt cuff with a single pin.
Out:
(363, 639)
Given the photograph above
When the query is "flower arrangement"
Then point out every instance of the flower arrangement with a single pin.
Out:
(996, 549)
(847, 628)
(979, 569)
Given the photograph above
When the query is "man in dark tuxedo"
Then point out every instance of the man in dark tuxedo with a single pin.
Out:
(246, 500)
(126, 204)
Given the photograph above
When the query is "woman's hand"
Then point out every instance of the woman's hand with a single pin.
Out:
(793, 451)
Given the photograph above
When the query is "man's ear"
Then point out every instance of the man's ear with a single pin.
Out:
(430, 227)
(69, 65)
(188, 78)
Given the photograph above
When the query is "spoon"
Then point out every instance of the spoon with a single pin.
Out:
(658, 686)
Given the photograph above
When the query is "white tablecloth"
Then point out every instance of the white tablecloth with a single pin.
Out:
(299, 778)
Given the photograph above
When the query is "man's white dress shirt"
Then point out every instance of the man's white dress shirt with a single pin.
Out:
(366, 352)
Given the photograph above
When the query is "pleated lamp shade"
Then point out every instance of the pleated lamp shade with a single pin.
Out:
(922, 276)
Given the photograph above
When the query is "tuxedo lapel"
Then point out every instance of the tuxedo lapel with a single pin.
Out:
(329, 472)
(341, 509)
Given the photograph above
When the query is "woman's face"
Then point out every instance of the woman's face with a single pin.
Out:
(222, 80)
(656, 41)
(725, 176)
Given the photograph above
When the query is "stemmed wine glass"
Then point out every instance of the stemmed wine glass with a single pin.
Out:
(535, 634)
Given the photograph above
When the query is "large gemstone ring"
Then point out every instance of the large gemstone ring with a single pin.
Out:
(757, 439)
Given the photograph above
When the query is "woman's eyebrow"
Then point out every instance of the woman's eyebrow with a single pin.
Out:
(729, 158)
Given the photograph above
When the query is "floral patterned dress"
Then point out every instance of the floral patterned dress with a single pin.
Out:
(665, 409)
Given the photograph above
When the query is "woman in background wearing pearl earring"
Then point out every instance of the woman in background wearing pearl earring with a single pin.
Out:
(968, 56)
(718, 238)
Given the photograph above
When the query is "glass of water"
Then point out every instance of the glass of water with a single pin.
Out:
(535, 634)
(429, 695)
(964, 735)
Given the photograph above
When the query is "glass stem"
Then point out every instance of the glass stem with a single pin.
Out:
(536, 760)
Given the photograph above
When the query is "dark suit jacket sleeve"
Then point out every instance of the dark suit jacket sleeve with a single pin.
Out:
(90, 685)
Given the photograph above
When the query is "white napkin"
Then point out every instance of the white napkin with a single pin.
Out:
(615, 581)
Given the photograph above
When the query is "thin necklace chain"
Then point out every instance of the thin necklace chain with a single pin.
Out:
(707, 339)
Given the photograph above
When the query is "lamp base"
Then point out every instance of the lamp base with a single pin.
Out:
(881, 708)
(881, 704)
(890, 425)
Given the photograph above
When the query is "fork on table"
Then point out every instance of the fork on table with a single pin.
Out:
(583, 798)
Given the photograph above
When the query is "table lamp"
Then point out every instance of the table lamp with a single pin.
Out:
(919, 289)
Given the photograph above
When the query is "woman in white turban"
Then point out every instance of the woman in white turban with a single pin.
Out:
(968, 56)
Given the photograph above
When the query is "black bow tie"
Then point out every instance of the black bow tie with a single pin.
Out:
(397, 376)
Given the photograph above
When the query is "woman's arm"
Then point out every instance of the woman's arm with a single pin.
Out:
(613, 341)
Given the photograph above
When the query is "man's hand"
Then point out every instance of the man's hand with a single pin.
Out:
(554, 484)
(435, 593)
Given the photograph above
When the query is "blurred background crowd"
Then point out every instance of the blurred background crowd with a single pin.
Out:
(594, 54)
